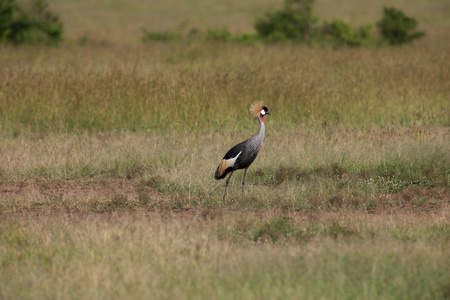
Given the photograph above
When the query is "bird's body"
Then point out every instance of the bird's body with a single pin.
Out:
(243, 154)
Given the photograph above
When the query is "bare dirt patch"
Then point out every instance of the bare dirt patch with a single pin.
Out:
(103, 189)
(121, 196)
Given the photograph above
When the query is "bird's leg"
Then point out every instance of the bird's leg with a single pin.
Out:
(243, 181)
(226, 185)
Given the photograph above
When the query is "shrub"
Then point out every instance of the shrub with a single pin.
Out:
(339, 33)
(216, 35)
(294, 22)
(7, 9)
(32, 24)
(396, 28)
(219, 34)
(246, 38)
(153, 36)
(273, 230)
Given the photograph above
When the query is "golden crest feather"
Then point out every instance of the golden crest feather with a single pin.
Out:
(255, 108)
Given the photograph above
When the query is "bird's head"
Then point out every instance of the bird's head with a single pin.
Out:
(258, 110)
(264, 111)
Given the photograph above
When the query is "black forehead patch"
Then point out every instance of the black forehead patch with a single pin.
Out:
(265, 108)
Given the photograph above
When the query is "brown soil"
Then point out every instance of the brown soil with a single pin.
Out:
(106, 189)
(102, 188)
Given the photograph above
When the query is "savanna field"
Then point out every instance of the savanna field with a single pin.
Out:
(109, 144)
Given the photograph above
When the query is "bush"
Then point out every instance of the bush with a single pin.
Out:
(216, 35)
(339, 33)
(7, 9)
(219, 34)
(396, 28)
(274, 230)
(153, 36)
(294, 22)
(246, 38)
(33, 24)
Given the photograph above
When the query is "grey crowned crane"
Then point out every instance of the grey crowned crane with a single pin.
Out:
(243, 154)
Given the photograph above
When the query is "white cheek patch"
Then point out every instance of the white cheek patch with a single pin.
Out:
(263, 112)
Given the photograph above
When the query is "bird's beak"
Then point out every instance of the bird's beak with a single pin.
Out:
(268, 113)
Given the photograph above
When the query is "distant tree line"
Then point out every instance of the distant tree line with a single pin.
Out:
(295, 22)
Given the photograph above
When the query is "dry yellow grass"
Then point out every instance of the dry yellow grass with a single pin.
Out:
(187, 87)
(295, 170)
(165, 257)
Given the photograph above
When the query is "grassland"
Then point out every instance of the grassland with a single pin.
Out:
(108, 148)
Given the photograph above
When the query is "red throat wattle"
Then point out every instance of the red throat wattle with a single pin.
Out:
(262, 120)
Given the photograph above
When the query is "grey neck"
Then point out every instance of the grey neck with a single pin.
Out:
(259, 137)
(262, 129)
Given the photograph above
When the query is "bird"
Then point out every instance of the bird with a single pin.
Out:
(243, 154)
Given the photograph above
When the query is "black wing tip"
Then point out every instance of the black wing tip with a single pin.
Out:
(217, 176)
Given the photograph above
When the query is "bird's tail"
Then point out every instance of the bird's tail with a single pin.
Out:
(221, 171)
